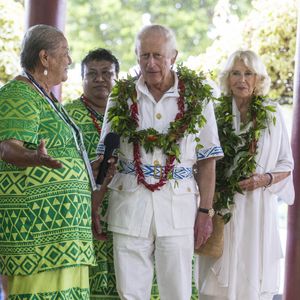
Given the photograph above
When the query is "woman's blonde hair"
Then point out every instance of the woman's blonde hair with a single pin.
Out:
(254, 63)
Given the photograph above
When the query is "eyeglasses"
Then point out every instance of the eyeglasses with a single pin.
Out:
(238, 74)
(92, 75)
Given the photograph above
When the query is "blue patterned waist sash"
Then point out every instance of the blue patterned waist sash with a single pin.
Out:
(156, 171)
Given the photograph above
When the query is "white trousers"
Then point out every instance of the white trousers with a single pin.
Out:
(134, 265)
(205, 297)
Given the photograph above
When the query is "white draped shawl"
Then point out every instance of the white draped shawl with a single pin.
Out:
(249, 266)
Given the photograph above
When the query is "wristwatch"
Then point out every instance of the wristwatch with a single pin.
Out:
(209, 211)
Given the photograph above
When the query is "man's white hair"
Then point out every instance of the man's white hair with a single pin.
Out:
(164, 31)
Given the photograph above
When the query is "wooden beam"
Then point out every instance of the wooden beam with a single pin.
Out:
(292, 261)
(49, 12)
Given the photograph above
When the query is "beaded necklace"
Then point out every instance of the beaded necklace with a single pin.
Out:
(95, 116)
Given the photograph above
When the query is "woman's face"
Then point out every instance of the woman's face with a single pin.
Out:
(59, 60)
(242, 81)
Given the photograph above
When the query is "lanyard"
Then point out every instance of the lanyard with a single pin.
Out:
(77, 135)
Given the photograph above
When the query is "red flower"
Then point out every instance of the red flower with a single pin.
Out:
(152, 138)
(134, 112)
(169, 167)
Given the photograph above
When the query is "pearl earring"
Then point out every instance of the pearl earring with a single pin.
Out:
(45, 72)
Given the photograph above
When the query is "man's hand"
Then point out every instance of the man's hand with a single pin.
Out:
(203, 229)
(96, 165)
(206, 183)
(111, 170)
(97, 197)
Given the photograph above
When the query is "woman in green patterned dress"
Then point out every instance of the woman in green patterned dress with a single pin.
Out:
(45, 179)
(99, 69)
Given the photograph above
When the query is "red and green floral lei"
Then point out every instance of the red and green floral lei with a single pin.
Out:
(240, 150)
(193, 96)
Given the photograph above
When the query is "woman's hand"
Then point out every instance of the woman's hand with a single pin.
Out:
(44, 159)
(254, 182)
(13, 152)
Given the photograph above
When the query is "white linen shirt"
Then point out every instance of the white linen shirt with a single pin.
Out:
(132, 207)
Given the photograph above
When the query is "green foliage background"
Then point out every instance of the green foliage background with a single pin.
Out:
(207, 32)
(274, 24)
(114, 24)
(11, 14)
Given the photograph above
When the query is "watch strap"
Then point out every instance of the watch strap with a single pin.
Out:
(207, 211)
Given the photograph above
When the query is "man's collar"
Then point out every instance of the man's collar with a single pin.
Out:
(143, 89)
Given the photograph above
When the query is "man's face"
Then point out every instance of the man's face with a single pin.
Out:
(155, 59)
(98, 80)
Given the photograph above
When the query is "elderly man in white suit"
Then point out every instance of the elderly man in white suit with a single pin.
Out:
(153, 211)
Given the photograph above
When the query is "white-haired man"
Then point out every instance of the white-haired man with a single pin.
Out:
(153, 207)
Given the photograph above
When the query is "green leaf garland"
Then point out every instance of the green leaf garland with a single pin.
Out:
(196, 94)
(240, 150)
